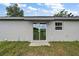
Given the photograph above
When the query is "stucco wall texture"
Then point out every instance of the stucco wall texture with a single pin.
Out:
(69, 32)
(23, 31)
(16, 30)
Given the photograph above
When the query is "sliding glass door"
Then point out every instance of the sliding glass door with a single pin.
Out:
(39, 31)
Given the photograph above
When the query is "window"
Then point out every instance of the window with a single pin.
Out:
(58, 25)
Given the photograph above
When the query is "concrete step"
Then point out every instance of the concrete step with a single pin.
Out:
(39, 44)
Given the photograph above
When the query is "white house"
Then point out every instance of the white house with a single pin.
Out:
(53, 28)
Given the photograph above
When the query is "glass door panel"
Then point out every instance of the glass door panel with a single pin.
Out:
(39, 31)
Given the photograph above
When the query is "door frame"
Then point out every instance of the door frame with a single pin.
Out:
(39, 30)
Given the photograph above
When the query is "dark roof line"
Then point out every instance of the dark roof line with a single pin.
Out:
(46, 18)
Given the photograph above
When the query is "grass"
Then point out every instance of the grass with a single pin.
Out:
(22, 48)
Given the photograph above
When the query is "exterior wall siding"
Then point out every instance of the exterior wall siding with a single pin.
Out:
(16, 30)
(69, 32)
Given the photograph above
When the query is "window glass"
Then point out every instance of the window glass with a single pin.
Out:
(58, 25)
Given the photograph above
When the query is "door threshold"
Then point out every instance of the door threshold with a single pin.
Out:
(39, 41)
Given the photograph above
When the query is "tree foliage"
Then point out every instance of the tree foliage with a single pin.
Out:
(63, 13)
(14, 11)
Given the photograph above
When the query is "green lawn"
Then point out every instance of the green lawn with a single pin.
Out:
(22, 48)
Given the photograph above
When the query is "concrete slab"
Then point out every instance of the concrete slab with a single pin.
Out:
(39, 44)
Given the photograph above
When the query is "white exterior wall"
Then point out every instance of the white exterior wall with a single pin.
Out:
(69, 32)
(16, 31)
(23, 31)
